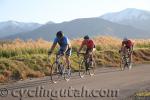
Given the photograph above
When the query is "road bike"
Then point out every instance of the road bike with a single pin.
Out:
(59, 70)
(125, 59)
(87, 65)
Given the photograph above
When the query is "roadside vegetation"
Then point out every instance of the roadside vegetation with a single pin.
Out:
(24, 59)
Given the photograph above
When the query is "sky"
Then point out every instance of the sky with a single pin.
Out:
(43, 11)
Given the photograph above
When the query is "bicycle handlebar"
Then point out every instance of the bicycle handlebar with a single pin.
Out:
(82, 53)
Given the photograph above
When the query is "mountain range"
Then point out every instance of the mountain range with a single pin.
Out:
(133, 23)
(8, 28)
(134, 17)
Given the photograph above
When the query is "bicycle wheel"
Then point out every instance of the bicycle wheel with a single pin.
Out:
(128, 63)
(82, 69)
(56, 72)
(91, 67)
(122, 63)
(67, 73)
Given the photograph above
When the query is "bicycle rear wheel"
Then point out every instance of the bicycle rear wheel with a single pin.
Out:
(82, 69)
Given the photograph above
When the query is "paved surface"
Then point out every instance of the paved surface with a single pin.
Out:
(98, 87)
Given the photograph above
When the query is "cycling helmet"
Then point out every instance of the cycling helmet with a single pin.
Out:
(59, 34)
(86, 37)
(125, 39)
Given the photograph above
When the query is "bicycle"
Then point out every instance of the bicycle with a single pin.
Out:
(87, 64)
(58, 70)
(125, 60)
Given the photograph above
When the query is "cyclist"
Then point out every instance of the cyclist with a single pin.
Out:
(127, 44)
(90, 46)
(65, 47)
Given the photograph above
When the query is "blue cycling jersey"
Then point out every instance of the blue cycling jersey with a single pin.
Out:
(63, 42)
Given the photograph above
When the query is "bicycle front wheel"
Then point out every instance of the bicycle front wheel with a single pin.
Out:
(67, 73)
(122, 64)
(92, 66)
(82, 69)
(56, 72)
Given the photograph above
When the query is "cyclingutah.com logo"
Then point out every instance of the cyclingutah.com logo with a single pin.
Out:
(69, 92)
(3, 92)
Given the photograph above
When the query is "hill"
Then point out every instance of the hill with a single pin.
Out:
(80, 27)
(8, 28)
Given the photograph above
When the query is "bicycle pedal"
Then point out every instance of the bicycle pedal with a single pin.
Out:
(91, 74)
(81, 76)
(67, 80)
(54, 82)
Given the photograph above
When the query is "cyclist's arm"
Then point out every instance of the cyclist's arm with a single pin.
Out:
(81, 47)
(52, 47)
(122, 46)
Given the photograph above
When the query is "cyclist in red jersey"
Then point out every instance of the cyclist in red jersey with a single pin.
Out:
(127, 44)
(89, 46)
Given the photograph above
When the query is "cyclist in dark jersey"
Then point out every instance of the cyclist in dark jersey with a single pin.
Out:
(65, 46)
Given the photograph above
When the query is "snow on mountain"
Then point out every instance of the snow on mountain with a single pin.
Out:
(50, 22)
(12, 27)
(19, 24)
(127, 14)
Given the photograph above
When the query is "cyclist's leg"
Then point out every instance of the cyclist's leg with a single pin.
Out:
(88, 56)
(130, 56)
(91, 54)
(67, 56)
(87, 53)
(60, 52)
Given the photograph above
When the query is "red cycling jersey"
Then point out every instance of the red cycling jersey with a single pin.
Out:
(127, 43)
(88, 43)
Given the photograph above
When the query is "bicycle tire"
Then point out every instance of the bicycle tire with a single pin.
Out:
(56, 72)
(92, 66)
(67, 73)
(82, 69)
(122, 64)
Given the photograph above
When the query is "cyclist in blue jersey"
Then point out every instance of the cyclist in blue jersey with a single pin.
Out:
(65, 46)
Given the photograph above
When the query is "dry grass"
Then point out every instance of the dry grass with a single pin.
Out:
(22, 59)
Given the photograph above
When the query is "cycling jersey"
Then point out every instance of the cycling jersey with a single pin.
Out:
(63, 42)
(88, 43)
(127, 44)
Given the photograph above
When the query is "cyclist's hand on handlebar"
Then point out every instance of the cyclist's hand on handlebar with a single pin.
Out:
(78, 54)
(62, 54)
(49, 53)
(119, 51)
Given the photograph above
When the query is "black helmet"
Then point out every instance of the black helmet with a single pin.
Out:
(86, 37)
(59, 34)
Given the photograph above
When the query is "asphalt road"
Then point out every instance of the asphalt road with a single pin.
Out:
(106, 83)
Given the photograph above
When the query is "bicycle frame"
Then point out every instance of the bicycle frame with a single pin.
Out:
(58, 67)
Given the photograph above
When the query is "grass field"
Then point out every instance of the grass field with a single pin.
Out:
(23, 59)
